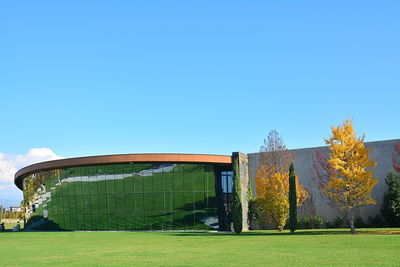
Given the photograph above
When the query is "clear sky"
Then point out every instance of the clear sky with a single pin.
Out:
(107, 77)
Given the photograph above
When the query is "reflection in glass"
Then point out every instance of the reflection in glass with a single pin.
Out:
(119, 197)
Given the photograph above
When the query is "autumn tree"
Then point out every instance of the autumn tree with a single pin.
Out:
(272, 181)
(396, 158)
(351, 183)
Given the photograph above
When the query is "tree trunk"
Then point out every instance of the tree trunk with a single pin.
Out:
(352, 228)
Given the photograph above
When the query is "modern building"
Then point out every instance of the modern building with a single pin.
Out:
(146, 192)
(128, 192)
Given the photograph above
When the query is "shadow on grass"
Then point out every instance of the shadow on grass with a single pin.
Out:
(287, 233)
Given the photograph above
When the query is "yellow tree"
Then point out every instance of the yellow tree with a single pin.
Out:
(352, 180)
(274, 198)
(272, 181)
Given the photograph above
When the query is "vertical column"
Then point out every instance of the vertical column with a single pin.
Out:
(244, 183)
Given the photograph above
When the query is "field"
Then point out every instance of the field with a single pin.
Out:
(370, 247)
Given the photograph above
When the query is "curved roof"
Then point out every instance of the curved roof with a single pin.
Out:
(122, 158)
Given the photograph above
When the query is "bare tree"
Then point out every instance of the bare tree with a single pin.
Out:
(320, 173)
(274, 156)
(396, 158)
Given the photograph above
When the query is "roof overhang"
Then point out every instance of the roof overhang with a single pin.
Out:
(122, 158)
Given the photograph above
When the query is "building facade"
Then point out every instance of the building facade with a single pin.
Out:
(136, 192)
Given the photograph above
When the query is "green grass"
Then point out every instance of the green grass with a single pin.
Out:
(370, 247)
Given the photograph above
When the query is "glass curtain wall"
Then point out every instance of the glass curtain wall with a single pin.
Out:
(118, 197)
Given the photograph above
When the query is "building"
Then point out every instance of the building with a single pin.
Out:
(145, 192)
(128, 192)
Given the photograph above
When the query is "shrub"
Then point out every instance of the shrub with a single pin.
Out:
(391, 200)
(329, 224)
(310, 222)
(376, 222)
(359, 223)
(338, 222)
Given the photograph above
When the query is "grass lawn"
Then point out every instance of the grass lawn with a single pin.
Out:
(370, 247)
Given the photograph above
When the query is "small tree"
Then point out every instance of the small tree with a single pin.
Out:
(351, 184)
(292, 199)
(391, 200)
(252, 211)
(272, 181)
(237, 216)
(1, 213)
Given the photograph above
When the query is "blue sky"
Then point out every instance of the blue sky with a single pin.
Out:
(107, 77)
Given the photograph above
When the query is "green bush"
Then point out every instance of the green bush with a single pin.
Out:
(339, 222)
(310, 222)
(359, 223)
(391, 200)
(376, 221)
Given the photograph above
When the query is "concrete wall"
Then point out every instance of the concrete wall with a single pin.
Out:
(380, 151)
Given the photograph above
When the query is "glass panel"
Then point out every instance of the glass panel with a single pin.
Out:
(168, 178)
(92, 176)
(110, 206)
(140, 221)
(169, 202)
(109, 176)
(148, 202)
(131, 196)
(139, 203)
(130, 222)
(188, 200)
(95, 223)
(129, 203)
(77, 180)
(188, 182)
(159, 202)
(148, 183)
(127, 178)
(178, 182)
(113, 222)
(120, 203)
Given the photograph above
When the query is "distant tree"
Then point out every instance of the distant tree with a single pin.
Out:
(1, 213)
(391, 200)
(351, 184)
(292, 199)
(274, 156)
(396, 158)
(272, 181)
(237, 201)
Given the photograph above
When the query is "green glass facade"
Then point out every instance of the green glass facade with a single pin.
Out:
(123, 197)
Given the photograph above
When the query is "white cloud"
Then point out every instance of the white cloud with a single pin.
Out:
(10, 164)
